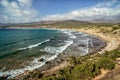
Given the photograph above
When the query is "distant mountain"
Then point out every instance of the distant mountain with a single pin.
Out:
(4, 24)
(104, 21)
(43, 22)
(56, 23)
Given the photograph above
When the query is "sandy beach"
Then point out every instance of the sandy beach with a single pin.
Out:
(51, 67)
(113, 41)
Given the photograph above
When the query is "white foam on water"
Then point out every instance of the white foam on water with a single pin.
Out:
(34, 65)
(69, 33)
(35, 45)
(57, 50)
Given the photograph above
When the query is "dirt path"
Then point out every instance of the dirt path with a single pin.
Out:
(109, 75)
(103, 72)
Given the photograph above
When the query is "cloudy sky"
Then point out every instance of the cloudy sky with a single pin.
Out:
(20, 11)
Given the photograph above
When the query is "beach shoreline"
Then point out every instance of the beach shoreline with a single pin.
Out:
(112, 43)
(61, 62)
(111, 40)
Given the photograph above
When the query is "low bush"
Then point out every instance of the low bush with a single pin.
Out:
(106, 63)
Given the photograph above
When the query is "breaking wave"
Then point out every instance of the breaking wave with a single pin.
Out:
(57, 50)
(34, 65)
(69, 33)
(49, 49)
(35, 45)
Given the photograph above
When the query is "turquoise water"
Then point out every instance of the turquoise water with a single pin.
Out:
(25, 42)
(23, 49)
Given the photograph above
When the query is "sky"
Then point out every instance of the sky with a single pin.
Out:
(23, 11)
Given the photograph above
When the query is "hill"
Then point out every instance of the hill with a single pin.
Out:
(57, 24)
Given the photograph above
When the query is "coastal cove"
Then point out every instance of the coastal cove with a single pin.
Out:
(52, 68)
(59, 40)
(113, 44)
(79, 42)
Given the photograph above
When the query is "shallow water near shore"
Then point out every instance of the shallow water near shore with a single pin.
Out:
(32, 48)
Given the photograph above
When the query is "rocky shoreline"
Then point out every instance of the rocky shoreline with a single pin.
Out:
(70, 51)
(73, 50)
(61, 58)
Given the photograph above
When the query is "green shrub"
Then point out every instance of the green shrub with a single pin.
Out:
(106, 63)
(78, 60)
(51, 78)
(73, 60)
(85, 71)
(65, 73)
(35, 74)
(112, 54)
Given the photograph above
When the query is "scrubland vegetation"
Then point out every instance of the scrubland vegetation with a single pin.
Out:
(87, 67)
(81, 68)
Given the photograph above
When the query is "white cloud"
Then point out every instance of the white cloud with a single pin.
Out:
(20, 11)
(17, 11)
(25, 3)
(105, 10)
(106, 3)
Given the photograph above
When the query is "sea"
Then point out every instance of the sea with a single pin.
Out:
(29, 49)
